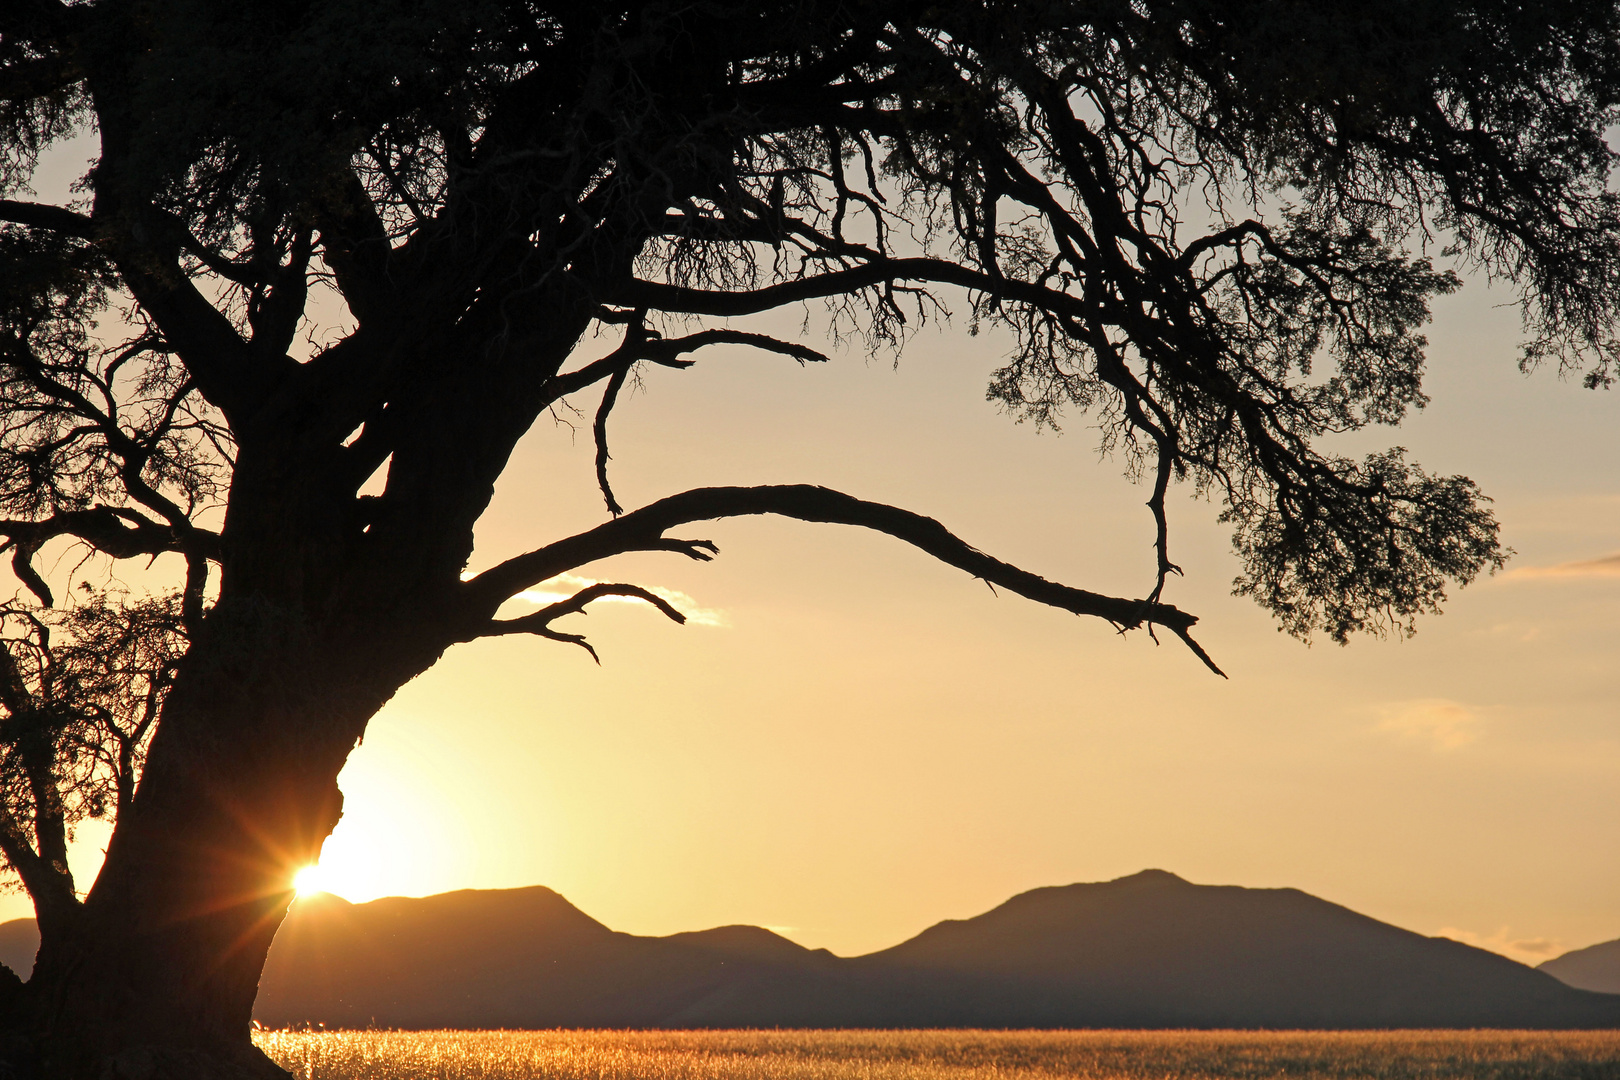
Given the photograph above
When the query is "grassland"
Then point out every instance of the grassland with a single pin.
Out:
(944, 1055)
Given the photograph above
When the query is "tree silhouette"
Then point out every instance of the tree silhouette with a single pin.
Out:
(1203, 221)
(80, 693)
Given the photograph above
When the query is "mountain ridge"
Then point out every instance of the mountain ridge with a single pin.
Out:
(1147, 950)
(1596, 967)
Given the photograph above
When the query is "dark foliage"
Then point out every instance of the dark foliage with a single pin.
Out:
(80, 691)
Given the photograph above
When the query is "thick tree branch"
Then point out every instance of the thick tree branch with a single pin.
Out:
(45, 216)
(644, 529)
(146, 247)
(120, 533)
(354, 244)
(227, 370)
(134, 455)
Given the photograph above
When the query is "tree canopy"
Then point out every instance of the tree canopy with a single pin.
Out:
(1215, 227)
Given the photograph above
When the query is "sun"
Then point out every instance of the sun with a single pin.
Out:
(308, 880)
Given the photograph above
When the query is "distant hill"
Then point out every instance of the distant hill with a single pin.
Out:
(19, 941)
(1149, 950)
(1153, 950)
(499, 958)
(1593, 968)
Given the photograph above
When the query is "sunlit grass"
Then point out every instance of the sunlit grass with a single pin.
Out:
(944, 1055)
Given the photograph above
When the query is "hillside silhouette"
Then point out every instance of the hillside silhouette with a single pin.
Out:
(19, 940)
(1149, 950)
(498, 958)
(1596, 967)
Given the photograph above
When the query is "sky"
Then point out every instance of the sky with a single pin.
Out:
(852, 742)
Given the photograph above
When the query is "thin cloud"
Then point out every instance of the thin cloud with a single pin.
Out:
(563, 586)
(1525, 950)
(1608, 566)
(1518, 631)
(1440, 722)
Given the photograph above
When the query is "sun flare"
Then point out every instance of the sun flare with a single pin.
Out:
(308, 880)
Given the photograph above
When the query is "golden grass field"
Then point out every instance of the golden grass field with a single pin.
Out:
(944, 1055)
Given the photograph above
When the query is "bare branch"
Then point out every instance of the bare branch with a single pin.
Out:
(657, 296)
(643, 530)
(610, 396)
(665, 352)
(642, 344)
(120, 533)
(539, 622)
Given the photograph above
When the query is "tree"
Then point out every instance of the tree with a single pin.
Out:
(77, 717)
(1205, 223)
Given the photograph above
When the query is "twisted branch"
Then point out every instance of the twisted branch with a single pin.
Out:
(644, 529)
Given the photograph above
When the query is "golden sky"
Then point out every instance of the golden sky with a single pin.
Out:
(855, 742)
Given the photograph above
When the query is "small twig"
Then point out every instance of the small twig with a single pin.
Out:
(610, 397)
(539, 622)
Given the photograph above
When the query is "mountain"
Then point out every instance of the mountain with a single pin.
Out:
(1149, 950)
(1153, 950)
(1594, 968)
(19, 941)
(500, 958)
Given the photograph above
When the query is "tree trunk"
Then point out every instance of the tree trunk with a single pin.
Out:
(239, 792)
